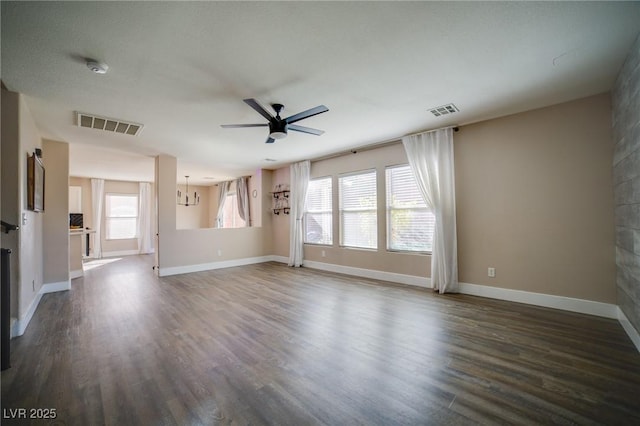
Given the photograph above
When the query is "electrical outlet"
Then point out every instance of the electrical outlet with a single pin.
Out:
(491, 272)
(324, 253)
(219, 252)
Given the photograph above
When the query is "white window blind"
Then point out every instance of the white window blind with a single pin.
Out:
(121, 216)
(358, 210)
(410, 224)
(318, 216)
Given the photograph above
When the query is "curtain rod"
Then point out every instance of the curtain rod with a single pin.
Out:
(382, 144)
(234, 179)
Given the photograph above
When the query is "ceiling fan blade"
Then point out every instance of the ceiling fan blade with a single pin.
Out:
(270, 140)
(305, 129)
(259, 108)
(306, 114)
(235, 126)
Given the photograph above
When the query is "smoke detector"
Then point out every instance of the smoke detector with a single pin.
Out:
(97, 67)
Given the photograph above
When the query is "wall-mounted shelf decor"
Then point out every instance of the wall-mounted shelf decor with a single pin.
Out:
(281, 199)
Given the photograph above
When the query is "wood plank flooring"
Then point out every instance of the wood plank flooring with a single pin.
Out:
(269, 344)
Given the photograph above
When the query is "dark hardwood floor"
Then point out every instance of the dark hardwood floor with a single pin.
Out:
(269, 344)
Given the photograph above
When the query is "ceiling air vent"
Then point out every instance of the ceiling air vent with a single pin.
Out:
(108, 124)
(444, 110)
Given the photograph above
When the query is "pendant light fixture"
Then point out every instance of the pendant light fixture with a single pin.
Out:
(196, 198)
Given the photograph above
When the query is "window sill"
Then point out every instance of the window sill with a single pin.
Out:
(420, 253)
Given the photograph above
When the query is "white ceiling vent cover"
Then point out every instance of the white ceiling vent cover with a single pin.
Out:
(108, 124)
(444, 110)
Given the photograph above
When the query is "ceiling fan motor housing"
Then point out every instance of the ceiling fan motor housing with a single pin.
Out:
(278, 129)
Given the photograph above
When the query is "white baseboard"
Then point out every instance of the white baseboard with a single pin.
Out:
(53, 287)
(175, 270)
(606, 310)
(76, 274)
(589, 307)
(281, 259)
(120, 253)
(20, 325)
(370, 273)
(628, 327)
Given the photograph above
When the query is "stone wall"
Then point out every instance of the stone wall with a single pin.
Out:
(626, 179)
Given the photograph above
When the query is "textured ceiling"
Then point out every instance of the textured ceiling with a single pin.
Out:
(183, 68)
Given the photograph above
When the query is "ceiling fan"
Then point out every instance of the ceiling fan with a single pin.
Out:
(278, 127)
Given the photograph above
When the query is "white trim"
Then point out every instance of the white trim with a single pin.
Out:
(606, 310)
(76, 274)
(120, 253)
(370, 273)
(54, 287)
(600, 309)
(175, 270)
(281, 259)
(19, 326)
(628, 327)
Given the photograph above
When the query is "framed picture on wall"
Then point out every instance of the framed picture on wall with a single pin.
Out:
(35, 183)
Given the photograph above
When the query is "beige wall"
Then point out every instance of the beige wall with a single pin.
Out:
(255, 204)
(76, 250)
(30, 232)
(193, 217)
(381, 259)
(184, 247)
(280, 222)
(110, 187)
(87, 208)
(535, 200)
(29, 272)
(205, 214)
(55, 156)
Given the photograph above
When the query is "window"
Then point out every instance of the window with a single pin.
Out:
(121, 216)
(410, 224)
(358, 210)
(318, 216)
(230, 216)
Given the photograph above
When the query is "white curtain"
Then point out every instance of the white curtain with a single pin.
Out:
(299, 185)
(97, 198)
(430, 157)
(144, 218)
(223, 188)
(242, 194)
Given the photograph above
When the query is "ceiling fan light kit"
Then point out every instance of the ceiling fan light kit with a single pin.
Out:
(279, 127)
(97, 66)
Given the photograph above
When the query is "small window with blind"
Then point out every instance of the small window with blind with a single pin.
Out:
(121, 216)
(358, 210)
(410, 224)
(318, 215)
